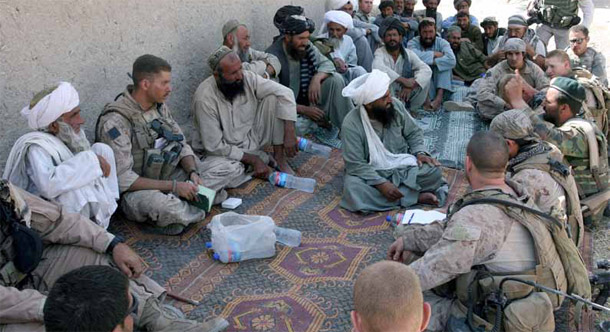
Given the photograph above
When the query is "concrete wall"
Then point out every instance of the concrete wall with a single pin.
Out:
(93, 43)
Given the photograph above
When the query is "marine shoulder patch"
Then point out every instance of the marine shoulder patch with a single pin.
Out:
(113, 133)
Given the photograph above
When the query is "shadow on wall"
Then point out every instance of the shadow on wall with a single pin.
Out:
(93, 44)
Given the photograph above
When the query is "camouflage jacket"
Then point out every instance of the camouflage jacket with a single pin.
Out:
(574, 145)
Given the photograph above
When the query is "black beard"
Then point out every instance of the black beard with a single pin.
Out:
(383, 114)
(296, 54)
(390, 48)
(431, 13)
(549, 118)
(455, 48)
(231, 89)
(427, 44)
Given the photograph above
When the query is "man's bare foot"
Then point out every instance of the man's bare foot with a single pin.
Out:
(436, 103)
(283, 165)
(428, 198)
(428, 106)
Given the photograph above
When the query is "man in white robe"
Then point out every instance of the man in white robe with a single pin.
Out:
(57, 162)
(344, 56)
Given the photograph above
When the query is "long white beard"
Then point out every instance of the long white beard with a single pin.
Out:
(76, 142)
(243, 56)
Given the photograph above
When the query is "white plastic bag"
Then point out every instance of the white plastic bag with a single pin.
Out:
(237, 237)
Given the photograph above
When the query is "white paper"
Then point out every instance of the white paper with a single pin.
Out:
(160, 143)
(422, 217)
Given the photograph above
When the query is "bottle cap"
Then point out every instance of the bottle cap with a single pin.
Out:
(388, 218)
(208, 245)
(216, 256)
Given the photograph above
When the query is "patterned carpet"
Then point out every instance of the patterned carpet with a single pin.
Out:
(308, 288)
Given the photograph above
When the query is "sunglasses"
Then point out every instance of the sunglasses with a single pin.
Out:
(577, 41)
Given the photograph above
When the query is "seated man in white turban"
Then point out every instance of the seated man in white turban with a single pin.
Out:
(57, 162)
(344, 54)
(386, 165)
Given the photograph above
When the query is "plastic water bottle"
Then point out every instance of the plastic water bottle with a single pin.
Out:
(284, 180)
(287, 236)
(230, 255)
(397, 219)
(308, 146)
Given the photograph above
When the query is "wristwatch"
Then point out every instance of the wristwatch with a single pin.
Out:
(193, 171)
(117, 239)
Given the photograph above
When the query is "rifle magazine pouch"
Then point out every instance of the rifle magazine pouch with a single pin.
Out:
(533, 313)
(153, 163)
(28, 248)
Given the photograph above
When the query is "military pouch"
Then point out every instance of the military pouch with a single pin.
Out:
(171, 155)
(153, 164)
(533, 313)
(512, 290)
(28, 248)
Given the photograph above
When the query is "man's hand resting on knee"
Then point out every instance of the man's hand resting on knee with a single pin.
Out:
(389, 191)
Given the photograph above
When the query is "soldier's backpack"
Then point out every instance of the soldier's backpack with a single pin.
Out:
(601, 95)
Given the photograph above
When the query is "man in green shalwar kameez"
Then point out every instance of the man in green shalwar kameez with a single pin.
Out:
(386, 165)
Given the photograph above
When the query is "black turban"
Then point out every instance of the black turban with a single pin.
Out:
(390, 23)
(285, 12)
(385, 4)
(295, 25)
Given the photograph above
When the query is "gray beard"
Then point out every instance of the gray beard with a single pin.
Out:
(243, 56)
(75, 142)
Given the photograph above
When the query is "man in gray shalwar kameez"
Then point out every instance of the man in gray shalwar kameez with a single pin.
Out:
(386, 165)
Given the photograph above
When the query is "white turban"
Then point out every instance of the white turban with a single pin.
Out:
(368, 88)
(62, 100)
(338, 4)
(340, 17)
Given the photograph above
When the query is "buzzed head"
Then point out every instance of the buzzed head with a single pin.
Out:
(388, 297)
(488, 153)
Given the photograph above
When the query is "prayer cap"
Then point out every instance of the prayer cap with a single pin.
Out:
(217, 55)
(285, 12)
(454, 28)
(297, 24)
(390, 23)
(367, 88)
(513, 124)
(429, 19)
(230, 26)
(570, 88)
(337, 4)
(517, 20)
(339, 17)
(51, 105)
(426, 1)
(385, 4)
(489, 20)
(514, 45)
(456, 3)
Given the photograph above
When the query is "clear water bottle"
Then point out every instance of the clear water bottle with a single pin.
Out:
(288, 237)
(284, 180)
(230, 255)
(308, 146)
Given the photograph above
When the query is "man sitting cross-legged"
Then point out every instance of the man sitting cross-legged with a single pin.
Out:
(237, 113)
(57, 162)
(386, 166)
(410, 76)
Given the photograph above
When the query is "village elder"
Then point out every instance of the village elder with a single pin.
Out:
(386, 163)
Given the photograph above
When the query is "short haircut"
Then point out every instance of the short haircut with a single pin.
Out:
(425, 23)
(558, 54)
(90, 298)
(461, 14)
(580, 28)
(385, 4)
(146, 66)
(575, 105)
(488, 152)
(388, 295)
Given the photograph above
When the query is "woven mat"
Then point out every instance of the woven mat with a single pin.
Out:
(308, 288)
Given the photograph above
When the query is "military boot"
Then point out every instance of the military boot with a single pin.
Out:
(165, 318)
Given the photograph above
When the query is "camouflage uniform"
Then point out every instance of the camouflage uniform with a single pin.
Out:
(489, 103)
(466, 239)
(71, 241)
(162, 209)
(574, 145)
(593, 61)
(539, 167)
